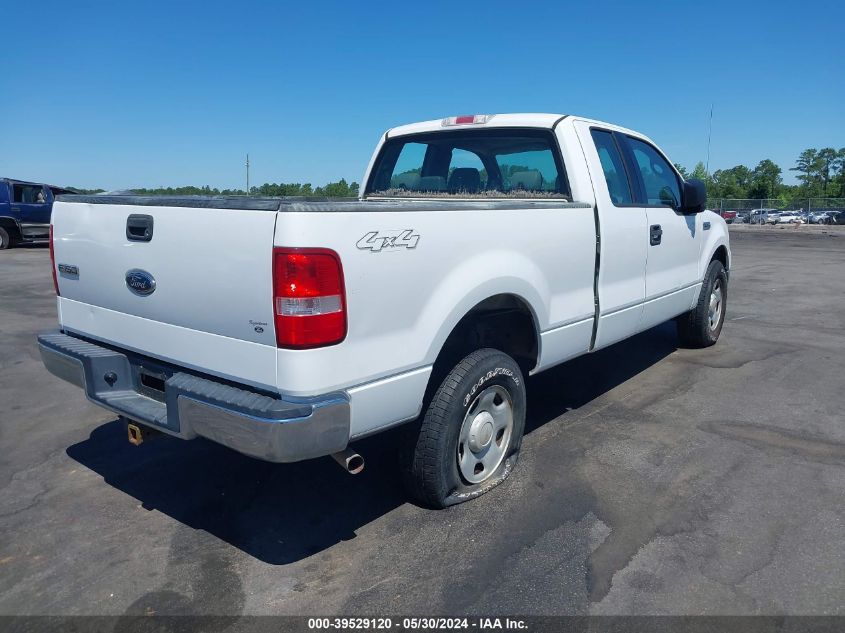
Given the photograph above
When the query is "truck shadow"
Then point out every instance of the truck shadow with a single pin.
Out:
(575, 383)
(283, 513)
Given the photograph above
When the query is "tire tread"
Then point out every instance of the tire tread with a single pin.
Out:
(421, 454)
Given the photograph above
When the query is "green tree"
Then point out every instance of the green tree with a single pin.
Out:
(681, 170)
(839, 166)
(700, 172)
(826, 159)
(765, 180)
(808, 165)
(732, 183)
(340, 189)
(743, 177)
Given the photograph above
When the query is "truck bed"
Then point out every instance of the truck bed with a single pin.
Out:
(319, 204)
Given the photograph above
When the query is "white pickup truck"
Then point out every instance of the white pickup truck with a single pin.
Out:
(483, 249)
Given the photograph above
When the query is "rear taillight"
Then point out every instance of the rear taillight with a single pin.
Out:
(53, 262)
(309, 301)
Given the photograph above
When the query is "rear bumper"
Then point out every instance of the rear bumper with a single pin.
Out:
(258, 425)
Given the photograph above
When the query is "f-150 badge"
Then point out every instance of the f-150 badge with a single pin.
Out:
(378, 241)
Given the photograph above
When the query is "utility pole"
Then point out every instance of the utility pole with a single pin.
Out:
(709, 135)
(247, 174)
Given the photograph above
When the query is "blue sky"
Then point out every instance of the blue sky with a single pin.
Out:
(152, 94)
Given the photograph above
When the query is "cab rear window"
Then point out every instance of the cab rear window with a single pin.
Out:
(489, 163)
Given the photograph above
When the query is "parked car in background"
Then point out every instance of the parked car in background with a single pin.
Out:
(834, 217)
(760, 216)
(789, 217)
(772, 217)
(25, 209)
(728, 216)
(741, 217)
(830, 217)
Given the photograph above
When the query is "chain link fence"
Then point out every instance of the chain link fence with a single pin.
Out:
(773, 210)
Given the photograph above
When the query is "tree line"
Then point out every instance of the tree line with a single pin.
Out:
(339, 189)
(821, 174)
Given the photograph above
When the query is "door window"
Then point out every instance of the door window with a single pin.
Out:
(659, 179)
(28, 194)
(613, 167)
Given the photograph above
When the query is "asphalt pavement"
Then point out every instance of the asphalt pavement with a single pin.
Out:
(652, 480)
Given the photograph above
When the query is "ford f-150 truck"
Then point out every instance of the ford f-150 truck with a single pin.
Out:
(483, 249)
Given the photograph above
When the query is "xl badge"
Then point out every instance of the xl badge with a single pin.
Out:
(377, 241)
(140, 282)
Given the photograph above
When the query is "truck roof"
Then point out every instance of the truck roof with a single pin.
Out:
(518, 119)
(27, 182)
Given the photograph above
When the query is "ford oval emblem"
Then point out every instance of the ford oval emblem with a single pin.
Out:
(140, 282)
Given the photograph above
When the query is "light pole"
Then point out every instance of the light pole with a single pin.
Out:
(247, 174)
(709, 135)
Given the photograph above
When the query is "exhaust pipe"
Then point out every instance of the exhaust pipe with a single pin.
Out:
(137, 433)
(350, 461)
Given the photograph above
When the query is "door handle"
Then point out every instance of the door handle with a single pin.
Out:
(139, 228)
(655, 234)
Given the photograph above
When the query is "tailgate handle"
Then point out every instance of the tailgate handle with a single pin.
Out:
(139, 228)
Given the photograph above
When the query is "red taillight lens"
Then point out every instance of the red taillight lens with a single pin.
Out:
(309, 301)
(53, 262)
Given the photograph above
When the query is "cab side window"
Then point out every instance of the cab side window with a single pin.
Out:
(659, 179)
(613, 167)
(28, 194)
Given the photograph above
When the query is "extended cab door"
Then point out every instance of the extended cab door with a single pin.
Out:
(620, 283)
(673, 239)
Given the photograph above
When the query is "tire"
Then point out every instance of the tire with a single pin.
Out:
(5, 239)
(701, 326)
(467, 442)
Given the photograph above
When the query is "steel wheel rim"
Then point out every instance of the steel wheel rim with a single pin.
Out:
(485, 434)
(714, 311)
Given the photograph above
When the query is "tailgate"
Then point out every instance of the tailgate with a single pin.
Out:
(198, 292)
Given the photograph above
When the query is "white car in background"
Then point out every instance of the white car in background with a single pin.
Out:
(789, 217)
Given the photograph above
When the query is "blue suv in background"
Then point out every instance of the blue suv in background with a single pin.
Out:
(25, 209)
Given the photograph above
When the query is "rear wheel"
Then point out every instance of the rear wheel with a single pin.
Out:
(701, 326)
(468, 440)
(5, 240)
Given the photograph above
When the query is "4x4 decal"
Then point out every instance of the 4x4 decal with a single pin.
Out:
(377, 241)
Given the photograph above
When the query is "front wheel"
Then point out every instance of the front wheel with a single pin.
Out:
(5, 240)
(701, 326)
(469, 437)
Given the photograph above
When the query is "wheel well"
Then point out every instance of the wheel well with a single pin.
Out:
(503, 322)
(721, 255)
(11, 227)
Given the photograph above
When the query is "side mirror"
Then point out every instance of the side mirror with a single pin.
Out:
(693, 197)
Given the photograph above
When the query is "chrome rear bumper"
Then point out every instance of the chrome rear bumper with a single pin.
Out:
(272, 429)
